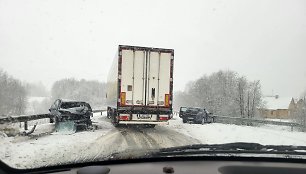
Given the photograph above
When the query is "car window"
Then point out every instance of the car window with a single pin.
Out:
(53, 106)
(57, 103)
(183, 109)
(193, 109)
(66, 105)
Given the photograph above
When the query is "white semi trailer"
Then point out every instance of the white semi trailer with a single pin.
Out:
(140, 86)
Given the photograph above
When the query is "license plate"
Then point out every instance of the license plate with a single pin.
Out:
(190, 118)
(144, 117)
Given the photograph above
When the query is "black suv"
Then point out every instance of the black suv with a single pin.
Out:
(195, 115)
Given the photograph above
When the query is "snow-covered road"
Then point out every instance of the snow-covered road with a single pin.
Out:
(54, 149)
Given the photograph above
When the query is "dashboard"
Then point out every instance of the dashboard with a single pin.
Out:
(183, 167)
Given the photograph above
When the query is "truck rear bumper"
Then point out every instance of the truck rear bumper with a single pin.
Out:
(143, 122)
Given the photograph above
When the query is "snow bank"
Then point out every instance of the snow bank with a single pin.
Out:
(217, 133)
(53, 149)
(36, 151)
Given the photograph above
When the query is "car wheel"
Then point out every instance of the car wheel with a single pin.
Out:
(184, 121)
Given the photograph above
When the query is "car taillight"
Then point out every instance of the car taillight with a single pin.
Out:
(122, 98)
(167, 100)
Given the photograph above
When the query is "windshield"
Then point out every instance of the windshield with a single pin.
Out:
(193, 110)
(67, 105)
(136, 64)
(183, 109)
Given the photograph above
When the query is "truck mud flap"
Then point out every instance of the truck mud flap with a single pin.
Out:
(66, 127)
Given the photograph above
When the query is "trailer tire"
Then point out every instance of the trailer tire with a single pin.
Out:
(115, 122)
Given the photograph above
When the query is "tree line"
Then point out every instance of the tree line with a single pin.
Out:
(92, 92)
(298, 113)
(222, 93)
(12, 95)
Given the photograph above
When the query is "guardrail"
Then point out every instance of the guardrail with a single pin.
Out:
(26, 118)
(217, 118)
(23, 118)
(251, 121)
(98, 110)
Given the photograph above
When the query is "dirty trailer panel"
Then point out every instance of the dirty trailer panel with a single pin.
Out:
(145, 85)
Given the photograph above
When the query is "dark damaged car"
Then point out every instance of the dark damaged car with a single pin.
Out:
(71, 115)
(195, 115)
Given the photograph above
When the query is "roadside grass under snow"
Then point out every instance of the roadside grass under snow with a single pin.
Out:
(217, 133)
(26, 152)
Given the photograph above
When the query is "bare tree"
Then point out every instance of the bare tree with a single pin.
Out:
(12, 95)
(223, 93)
(299, 114)
(242, 84)
(89, 91)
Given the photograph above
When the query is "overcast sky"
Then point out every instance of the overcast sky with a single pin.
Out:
(47, 40)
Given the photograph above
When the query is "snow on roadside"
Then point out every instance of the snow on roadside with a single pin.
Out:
(280, 120)
(36, 99)
(217, 133)
(25, 152)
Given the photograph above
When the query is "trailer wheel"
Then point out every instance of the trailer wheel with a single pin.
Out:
(115, 122)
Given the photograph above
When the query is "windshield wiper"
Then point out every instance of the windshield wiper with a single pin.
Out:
(230, 148)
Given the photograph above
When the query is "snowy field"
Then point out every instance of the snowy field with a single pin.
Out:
(54, 149)
(217, 133)
(27, 152)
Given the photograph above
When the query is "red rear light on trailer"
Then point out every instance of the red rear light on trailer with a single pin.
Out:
(167, 100)
(124, 117)
(122, 98)
(163, 117)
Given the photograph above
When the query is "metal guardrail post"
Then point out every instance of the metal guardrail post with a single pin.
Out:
(25, 125)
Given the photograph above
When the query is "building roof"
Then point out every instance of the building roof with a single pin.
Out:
(277, 103)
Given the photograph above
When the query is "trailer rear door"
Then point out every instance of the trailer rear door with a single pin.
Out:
(145, 78)
(132, 78)
(158, 79)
